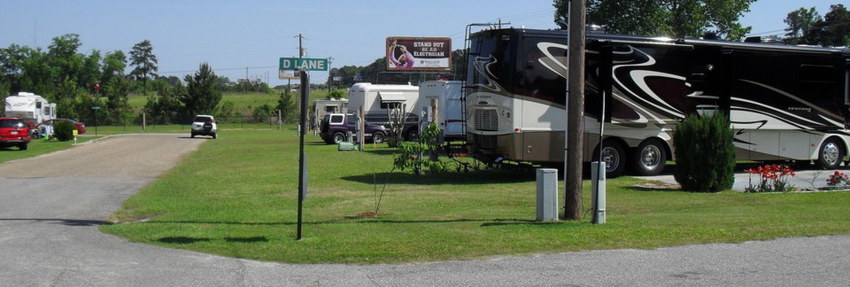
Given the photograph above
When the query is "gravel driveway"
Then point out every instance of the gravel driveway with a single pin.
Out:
(50, 207)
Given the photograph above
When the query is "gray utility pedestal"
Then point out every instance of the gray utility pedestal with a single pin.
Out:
(547, 194)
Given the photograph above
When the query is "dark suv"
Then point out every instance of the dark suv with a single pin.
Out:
(335, 128)
(14, 132)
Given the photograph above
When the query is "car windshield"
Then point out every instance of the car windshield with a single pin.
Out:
(11, 124)
(203, 119)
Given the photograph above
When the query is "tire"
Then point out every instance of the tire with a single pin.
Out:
(830, 154)
(193, 135)
(614, 156)
(649, 158)
(207, 127)
(22, 147)
(214, 135)
(338, 137)
(378, 137)
(412, 134)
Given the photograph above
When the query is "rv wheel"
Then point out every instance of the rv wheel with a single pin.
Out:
(830, 154)
(613, 154)
(649, 158)
(412, 134)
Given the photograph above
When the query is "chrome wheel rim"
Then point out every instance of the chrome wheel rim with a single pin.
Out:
(831, 153)
(650, 156)
(611, 158)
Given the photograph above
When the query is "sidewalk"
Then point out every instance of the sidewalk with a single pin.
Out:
(805, 180)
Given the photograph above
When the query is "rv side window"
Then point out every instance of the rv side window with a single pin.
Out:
(336, 119)
(47, 110)
(816, 74)
(37, 105)
(330, 109)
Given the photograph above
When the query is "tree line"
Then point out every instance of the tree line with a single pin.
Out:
(78, 82)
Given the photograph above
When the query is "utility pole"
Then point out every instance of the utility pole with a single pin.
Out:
(330, 62)
(300, 48)
(575, 111)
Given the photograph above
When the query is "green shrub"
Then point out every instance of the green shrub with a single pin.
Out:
(705, 153)
(415, 155)
(63, 131)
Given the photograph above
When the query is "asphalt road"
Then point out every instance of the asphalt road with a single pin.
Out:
(51, 206)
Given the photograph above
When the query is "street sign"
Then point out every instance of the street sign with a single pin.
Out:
(287, 74)
(309, 64)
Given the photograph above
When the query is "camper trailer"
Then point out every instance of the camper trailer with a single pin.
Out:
(324, 107)
(447, 97)
(785, 102)
(382, 104)
(31, 107)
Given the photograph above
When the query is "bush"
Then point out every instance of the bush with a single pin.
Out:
(63, 131)
(705, 153)
(414, 155)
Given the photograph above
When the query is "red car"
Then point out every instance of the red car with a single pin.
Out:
(81, 127)
(14, 132)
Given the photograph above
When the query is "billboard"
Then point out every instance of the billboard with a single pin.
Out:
(419, 54)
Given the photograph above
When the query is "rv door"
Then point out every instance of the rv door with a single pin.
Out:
(847, 94)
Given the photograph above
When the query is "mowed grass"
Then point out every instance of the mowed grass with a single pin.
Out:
(243, 103)
(237, 196)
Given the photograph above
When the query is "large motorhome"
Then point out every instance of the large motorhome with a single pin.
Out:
(378, 102)
(30, 106)
(784, 102)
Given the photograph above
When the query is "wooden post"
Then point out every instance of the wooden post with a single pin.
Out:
(433, 156)
(575, 112)
(361, 126)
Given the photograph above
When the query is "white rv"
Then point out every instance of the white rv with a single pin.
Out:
(450, 108)
(323, 107)
(378, 101)
(30, 106)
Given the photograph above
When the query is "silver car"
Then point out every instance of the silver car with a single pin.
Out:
(204, 125)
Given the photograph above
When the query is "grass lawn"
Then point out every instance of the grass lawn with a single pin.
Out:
(38, 147)
(242, 102)
(237, 196)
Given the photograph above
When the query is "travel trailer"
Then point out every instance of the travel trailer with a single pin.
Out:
(450, 109)
(31, 107)
(327, 106)
(785, 102)
(381, 103)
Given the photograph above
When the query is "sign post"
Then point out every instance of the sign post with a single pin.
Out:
(95, 108)
(302, 175)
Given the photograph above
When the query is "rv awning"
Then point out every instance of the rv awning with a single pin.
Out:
(391, 97)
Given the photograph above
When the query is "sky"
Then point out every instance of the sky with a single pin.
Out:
(246, 38)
